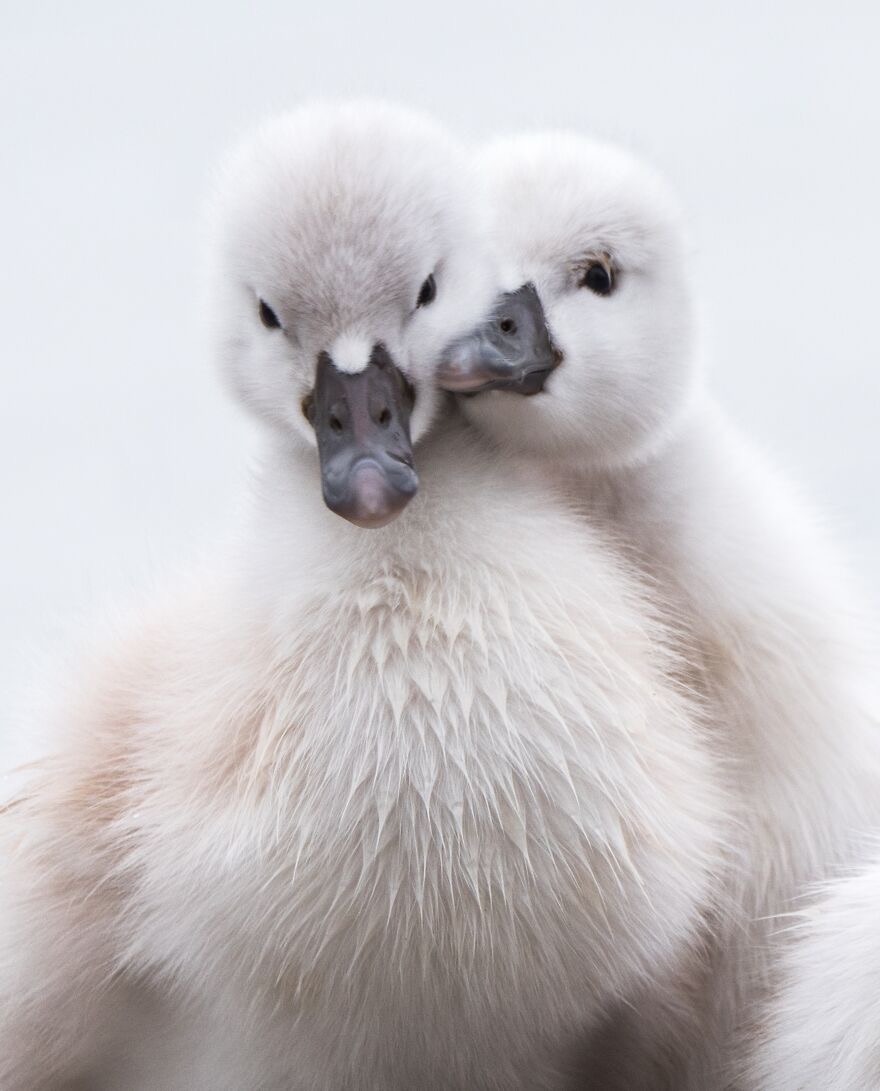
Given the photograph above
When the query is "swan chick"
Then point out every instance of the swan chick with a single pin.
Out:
(585, 373)
(406, 806)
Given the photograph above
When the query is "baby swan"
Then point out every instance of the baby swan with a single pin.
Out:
(592, 322)
(399, 808)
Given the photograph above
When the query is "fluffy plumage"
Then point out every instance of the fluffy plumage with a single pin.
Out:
(626, 427)
(822, 1027)
(402, 808)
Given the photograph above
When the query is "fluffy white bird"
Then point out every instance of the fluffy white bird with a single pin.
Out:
(823, 1027)
(592, 328)
(400, 809)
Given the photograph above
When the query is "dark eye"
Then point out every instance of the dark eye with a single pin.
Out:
(427, 292)
(598, 278)
(268, 317)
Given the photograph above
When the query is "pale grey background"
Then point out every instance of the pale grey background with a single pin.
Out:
(119, 456)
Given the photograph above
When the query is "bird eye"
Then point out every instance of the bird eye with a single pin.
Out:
(427, 292)
(598, 277)
(268, 317)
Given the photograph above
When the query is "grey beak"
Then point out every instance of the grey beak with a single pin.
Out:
(512, 350)
(361, 422)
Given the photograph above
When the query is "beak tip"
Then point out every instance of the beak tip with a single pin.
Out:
(474, 370)
(372, 499)
(454, 375)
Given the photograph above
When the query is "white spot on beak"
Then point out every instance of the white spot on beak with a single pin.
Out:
(511, 279)
(351, 353)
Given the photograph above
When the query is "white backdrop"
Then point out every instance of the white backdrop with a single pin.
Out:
(119, 456)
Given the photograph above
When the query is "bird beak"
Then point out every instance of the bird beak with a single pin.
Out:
(361, 422)
(512, 350)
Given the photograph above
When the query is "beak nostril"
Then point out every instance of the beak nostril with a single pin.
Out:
(385, 417)
(507, 325)
(335, 423)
